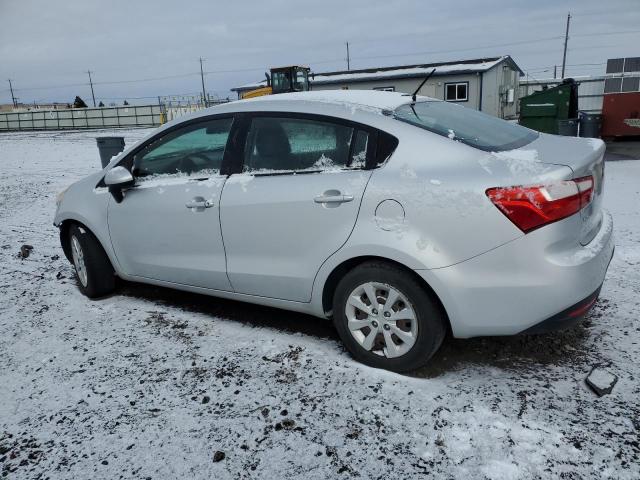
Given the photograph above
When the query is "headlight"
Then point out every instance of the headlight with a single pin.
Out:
(60, 196)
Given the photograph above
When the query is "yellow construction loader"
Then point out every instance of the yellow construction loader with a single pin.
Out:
(293, 78)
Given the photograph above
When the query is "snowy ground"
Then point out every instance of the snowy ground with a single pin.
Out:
(150, 383)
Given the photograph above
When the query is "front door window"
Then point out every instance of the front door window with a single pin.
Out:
(196, 149)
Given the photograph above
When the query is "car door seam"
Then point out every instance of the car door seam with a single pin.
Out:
(224, 248)
(110, 202)
(364, 190)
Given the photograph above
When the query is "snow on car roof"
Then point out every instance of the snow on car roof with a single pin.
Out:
(362, 98)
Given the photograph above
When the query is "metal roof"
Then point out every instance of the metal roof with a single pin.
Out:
(403, 71)
(412, 71)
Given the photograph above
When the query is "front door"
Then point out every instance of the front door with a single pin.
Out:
(294, 204)
(167, 226)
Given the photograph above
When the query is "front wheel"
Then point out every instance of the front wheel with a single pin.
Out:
(94, 271)
(386, 318)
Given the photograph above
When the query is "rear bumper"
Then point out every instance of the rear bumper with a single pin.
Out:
(567, 318)
(521, 286)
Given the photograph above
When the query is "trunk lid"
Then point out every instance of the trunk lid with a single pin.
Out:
(585, 157)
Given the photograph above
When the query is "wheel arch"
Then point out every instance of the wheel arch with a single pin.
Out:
(64, 227)
(332, 280)
(65, 241)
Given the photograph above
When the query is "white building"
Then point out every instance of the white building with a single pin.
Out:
(487, 84)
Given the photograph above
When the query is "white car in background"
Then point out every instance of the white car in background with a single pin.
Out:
(401, 218)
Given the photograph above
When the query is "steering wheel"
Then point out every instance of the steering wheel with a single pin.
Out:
(188, 165)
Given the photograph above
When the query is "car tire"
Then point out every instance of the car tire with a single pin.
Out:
(94, 272)
(414, 323)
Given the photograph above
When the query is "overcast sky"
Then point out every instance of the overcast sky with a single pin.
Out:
(152, 47)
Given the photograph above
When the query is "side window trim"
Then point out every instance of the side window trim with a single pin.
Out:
(352, 142)
(371, 161)
(127, 161)
(234, 151)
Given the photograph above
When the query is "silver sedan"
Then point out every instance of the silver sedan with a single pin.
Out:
(400, 218)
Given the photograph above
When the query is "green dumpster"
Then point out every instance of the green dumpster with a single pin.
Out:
(545, 110)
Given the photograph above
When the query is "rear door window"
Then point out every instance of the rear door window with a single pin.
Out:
(283, 144)
(466, 125)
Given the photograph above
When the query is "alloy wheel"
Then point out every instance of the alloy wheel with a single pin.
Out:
(78, 261)
(381, 319)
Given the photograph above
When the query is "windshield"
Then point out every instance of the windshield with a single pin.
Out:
(466, 125)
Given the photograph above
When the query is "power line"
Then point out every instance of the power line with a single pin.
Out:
(149, 79)
(602, 34)
(239, 70)
(434, 52)
(371, 57)
(523, 42)
(533, 69)
(254, 69)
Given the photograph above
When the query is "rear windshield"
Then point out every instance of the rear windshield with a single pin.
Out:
(466, 125)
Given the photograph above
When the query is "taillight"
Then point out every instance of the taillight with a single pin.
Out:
(531, 207)
(585, 186)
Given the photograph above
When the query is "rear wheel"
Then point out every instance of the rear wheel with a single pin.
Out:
(386, 318)
(94, 272)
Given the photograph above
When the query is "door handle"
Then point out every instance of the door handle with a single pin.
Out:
(198, 203)
(333, 199)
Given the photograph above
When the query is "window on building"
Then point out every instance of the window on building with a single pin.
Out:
(385, 89)
(456, 92)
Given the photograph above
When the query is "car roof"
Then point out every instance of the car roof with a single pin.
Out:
(359, 98)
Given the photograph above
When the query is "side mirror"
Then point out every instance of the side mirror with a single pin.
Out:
(116, 179)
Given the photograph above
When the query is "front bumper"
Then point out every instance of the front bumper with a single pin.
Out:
(522, 285)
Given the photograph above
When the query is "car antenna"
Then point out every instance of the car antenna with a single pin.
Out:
(413, 96)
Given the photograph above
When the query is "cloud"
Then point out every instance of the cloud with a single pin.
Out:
(51, 44)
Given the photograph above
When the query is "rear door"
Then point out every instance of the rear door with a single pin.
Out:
(294, 202)
(167, 226)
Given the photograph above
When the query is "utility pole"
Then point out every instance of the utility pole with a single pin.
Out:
(555, 71)
(91, 83)
(204, 95)
(13, 98)
(348, 58)
(566, 40)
